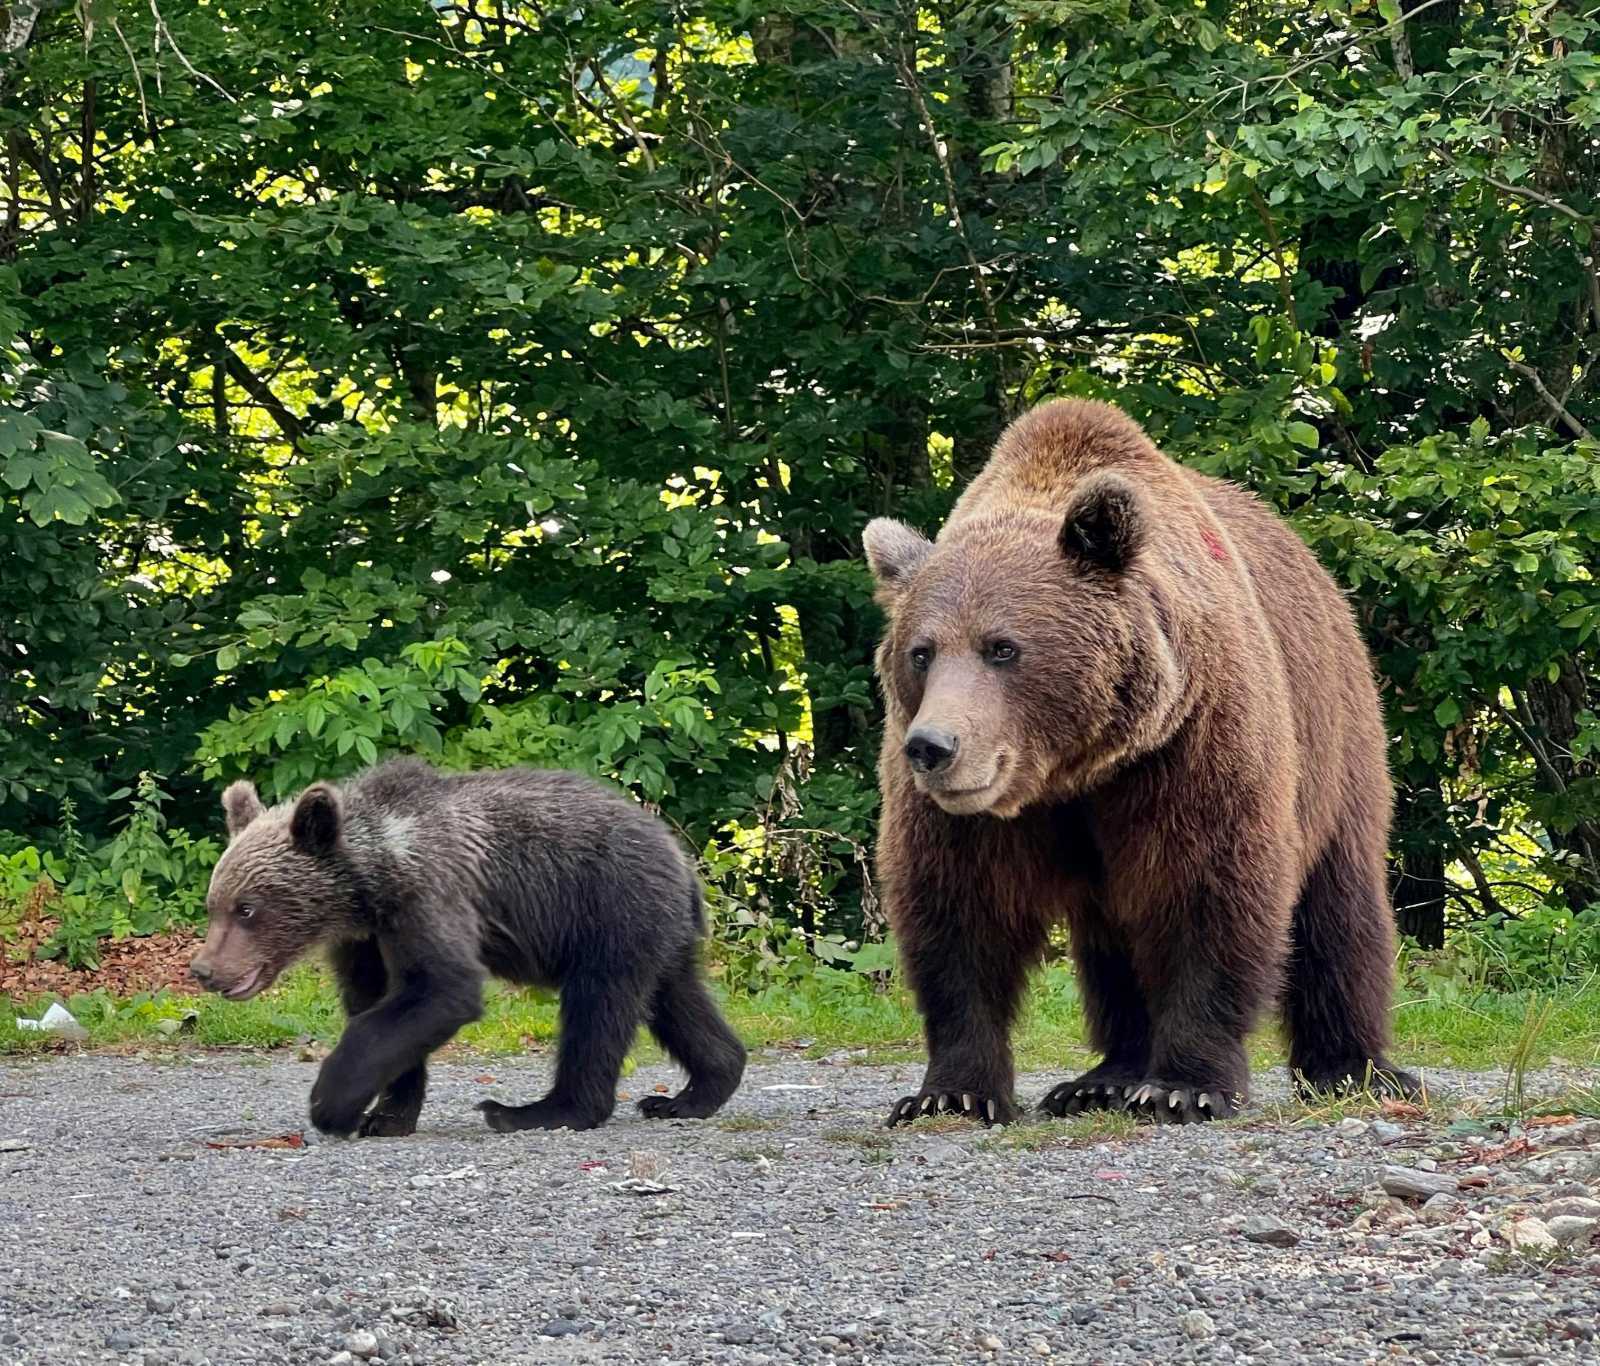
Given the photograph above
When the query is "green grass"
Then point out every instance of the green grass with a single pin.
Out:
(1482, 1032)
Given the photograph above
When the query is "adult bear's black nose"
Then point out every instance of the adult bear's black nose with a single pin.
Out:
(931, 750)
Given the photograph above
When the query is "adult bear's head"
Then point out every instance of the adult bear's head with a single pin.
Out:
(1028, 652)
(282, 884)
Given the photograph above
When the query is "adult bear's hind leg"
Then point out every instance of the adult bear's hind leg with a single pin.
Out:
(1341, 975)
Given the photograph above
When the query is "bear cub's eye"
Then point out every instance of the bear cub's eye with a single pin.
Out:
(921, 657)
(1001, 652)
(244, 910)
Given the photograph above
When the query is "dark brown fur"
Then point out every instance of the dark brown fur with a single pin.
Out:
(1139, 707)
(423, 884)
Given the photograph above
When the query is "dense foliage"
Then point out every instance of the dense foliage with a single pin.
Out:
(511, 381)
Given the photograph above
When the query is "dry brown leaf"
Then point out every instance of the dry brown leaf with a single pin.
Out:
(276, 1141)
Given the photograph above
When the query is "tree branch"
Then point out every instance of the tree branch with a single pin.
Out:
(258, 389)
(1557, 410)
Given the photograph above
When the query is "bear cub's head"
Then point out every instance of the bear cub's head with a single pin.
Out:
(281, 886)
(1027, 653)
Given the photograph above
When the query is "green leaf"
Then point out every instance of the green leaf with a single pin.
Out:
(227, 658)
(1448, 712)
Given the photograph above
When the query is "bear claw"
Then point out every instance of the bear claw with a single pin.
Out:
(987, 1110)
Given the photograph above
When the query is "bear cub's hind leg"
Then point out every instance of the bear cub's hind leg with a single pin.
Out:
(687, 1023)
(599, 1017)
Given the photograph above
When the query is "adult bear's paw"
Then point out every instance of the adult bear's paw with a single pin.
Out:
(343, 1091)
(1356, 1076)
(976, 1105)
(1163, 1103)
(1100, 1088)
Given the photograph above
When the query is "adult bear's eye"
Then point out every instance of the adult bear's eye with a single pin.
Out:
(1001, 652)
(921, 657)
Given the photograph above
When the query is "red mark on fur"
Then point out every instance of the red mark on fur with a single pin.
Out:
(1214, 546)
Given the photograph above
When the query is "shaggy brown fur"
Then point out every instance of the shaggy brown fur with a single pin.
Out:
(1125, 696)
(423, 884)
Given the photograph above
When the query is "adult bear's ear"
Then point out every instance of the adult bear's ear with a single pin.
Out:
(1105, 524)
(894, 551)
(241, 804)
(314, 827)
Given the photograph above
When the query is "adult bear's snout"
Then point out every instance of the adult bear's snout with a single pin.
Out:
(931, 750)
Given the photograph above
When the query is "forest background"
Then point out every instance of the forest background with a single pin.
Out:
(511, 382)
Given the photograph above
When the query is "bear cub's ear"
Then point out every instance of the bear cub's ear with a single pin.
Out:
(894, 551)
(240, 805)
(1105, 525)
(316, 821)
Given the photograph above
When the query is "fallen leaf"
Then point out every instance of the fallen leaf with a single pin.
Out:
(1544, 1121)
(594, 1166)
(989, 1255)
(1403, 1109)
(1056, 1256)
(660, 1090)
(1106, 1175)
(1515, 1148)
(291, 1213)
(484, 1079)
(277, 1141)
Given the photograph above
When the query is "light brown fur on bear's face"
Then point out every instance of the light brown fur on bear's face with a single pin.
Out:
(278, 889)
(1035, 641)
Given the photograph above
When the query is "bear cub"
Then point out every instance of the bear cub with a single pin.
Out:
(422, 884)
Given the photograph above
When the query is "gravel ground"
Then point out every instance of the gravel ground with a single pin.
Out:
(792, 1226)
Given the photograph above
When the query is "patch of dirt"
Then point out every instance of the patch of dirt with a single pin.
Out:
(127, 966)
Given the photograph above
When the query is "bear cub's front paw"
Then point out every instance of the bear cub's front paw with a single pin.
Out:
(339, 1099)
(978, 1105)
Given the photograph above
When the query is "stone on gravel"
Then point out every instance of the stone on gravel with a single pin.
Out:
(1574, 1206)
(1197, 1324)
(361, 1344)
(1269, 1229)
(1386, 1132)
(1570, 1229)
(1407, 1183)
(1530, 1235)
(561, 1328)
(1350, 1127)
(1442, 1208)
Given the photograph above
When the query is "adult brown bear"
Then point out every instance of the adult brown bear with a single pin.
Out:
(1126, 696)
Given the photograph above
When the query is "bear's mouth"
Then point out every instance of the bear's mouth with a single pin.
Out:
(252, 985)
(970, 800)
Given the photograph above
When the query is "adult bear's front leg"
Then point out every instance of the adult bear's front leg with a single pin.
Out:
(1207, 974)
(968, 987)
